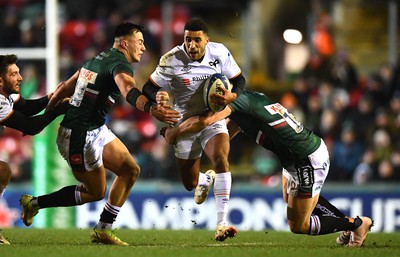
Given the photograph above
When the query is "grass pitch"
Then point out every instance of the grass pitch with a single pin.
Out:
(191, 243)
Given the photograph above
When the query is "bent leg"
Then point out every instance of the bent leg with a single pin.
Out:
(118, 160)
(299, 212)
(189, 170)
(5, 176)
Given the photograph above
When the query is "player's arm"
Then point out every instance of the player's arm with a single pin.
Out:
(150, 90)
(31, 107)
(32, 125)
(233, 128)
(63, 90)
(194, 124)
(134, 97)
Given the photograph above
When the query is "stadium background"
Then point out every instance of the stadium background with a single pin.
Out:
(347, 59)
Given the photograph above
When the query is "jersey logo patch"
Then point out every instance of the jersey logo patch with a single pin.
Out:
(214, 63)
(88, 76)
(186, 69)
(274, 108)
(186, 82)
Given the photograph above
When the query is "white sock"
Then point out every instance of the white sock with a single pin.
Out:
(222, 191)
(204, 180)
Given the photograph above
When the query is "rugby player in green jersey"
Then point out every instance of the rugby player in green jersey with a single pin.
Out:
(87, 144)
(303, 155)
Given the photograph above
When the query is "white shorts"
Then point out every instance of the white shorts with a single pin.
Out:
(83, 149)
(191, 146)
(305, 180)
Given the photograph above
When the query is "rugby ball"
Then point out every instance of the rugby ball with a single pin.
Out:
(212, 86)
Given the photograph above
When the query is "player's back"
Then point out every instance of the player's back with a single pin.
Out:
(272, 126)
(96, 90)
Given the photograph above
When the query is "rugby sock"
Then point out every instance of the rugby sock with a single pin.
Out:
(321, 225)
(108, 216)
(222, 190)
(324, 207)
(66, 196)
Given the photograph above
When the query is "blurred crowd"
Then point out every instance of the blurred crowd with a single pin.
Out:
(357, 116)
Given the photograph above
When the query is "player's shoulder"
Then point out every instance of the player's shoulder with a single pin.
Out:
(217, 48)
(6, 101)
(173, 56)
(6, 104)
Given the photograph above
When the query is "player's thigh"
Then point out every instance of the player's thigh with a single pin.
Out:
(118, 159)
(217, 146)
(94, 181)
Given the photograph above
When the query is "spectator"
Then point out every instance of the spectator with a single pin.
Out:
(347, 153)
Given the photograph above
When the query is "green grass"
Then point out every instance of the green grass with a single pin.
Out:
(192, 243)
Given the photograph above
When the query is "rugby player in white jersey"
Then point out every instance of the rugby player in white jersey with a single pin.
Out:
(19, 113)
(183, 71)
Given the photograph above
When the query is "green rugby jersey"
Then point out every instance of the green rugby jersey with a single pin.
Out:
(273, 127)
(96, 90)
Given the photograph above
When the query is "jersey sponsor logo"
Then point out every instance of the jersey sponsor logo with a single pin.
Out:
(88, 76)
(274, 108)
(306, 176)
(76, 159)
(214, 63)
(199, 78)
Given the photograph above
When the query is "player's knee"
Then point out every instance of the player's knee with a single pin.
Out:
(133, 173)
(97, 195)
(190, 185)
(221, 163)
(5, 173)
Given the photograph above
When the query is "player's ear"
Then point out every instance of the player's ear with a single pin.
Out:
(124, 43)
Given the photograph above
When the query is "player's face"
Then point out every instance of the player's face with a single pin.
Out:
(135, 46)
(11, 81)
(195, 43)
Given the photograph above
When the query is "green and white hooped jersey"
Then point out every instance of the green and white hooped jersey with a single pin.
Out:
(273, 127)
(185, 78)
(96, 90)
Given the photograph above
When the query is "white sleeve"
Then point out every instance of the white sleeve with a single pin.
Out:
(229, 67)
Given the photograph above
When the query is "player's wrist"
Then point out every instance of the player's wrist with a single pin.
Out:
(148, 107)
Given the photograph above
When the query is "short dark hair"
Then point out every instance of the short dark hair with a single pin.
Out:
(196, 24)
(127, 28)
(5, 61)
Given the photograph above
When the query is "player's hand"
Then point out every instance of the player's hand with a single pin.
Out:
(167, 115)
(162, 98)
(61, 106)
(223, 99)
(55, 97)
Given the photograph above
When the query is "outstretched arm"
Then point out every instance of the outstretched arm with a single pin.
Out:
(63, 90)
(194, 124)
(32, 125)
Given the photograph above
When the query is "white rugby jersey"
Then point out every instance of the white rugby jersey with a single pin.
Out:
(6, 105)
(186, 77)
